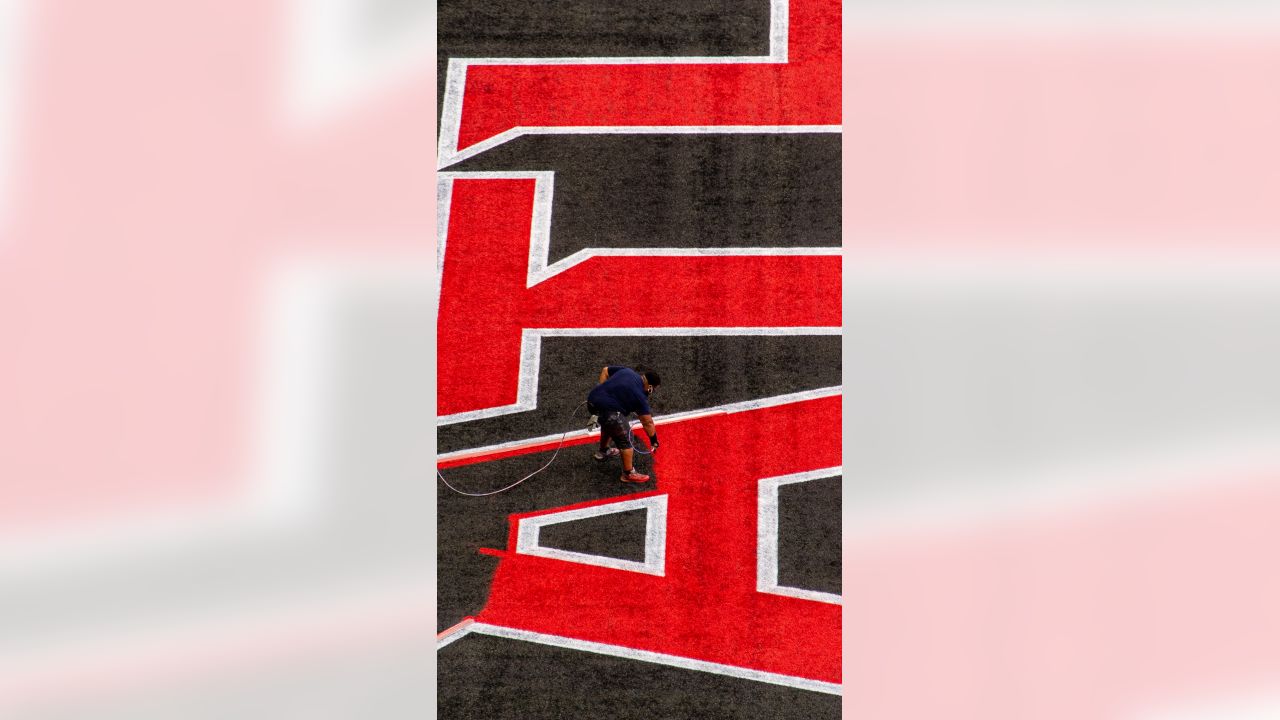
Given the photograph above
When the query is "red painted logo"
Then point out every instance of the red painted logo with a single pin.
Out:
(485, 306)
(705, 605)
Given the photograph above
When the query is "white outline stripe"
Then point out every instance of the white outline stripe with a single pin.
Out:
(767, 536)
(541, 270)
(656, 657)
(494, 174)
(454, 633)
(537, 275)
(444, 203)
(448, 157)
(456, 79)
(531, 357)
(727, 409)
(452, 638)
(540, 227)
(669, 130)
(779, 30)
(528, 532)
(620, 60)
(685, 331)
(455, 86)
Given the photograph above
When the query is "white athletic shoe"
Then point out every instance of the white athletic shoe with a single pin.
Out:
(611, 452)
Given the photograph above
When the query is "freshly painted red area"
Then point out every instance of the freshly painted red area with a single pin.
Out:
(455, 628)
(484, 304)
(470, 457)
(803, 91)
(546, 446)
(706, 607)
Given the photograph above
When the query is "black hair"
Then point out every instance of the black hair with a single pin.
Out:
(650, 376)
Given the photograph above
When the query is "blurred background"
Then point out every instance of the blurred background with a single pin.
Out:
(216, 366)
(1061, 460)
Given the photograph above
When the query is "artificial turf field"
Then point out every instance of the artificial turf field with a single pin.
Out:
(750, 329)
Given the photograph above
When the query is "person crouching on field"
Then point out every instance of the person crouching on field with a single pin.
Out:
(620, 392)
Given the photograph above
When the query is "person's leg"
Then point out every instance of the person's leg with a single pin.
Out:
(616, 427)
(609, 429)
(605, 452)
(629, 473)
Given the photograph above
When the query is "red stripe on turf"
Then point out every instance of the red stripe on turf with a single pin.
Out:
(804, 91)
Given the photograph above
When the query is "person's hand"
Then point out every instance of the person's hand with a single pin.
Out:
(653, 442)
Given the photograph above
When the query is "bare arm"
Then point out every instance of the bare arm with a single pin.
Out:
(604, 374)
(647, 422)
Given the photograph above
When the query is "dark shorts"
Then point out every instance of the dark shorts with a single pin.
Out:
(613, 424)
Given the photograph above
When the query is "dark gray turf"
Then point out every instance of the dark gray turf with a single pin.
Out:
(510, 679)
(582, 28)
(616, 535)
(683, 190)
(466, 524)
(697, 372)
(624, 192)
(809, 535)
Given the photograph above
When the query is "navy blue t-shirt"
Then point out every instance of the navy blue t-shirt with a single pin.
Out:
(623, 391)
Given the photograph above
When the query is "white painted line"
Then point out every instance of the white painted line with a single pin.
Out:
(680, 130)
(684, 331)
(454, 633)
(531, 357)
(729, 408)
(454, 637)
(455, 85)
(456, 79)
(655, 536)
(541, 270)
(444, 202)
(495, 174)
(453, 156)
(658, 658)
(540, 227)
(617, 60)
(778, 31)
(767, 536)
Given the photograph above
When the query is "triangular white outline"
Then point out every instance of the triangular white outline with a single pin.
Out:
(655, 535)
